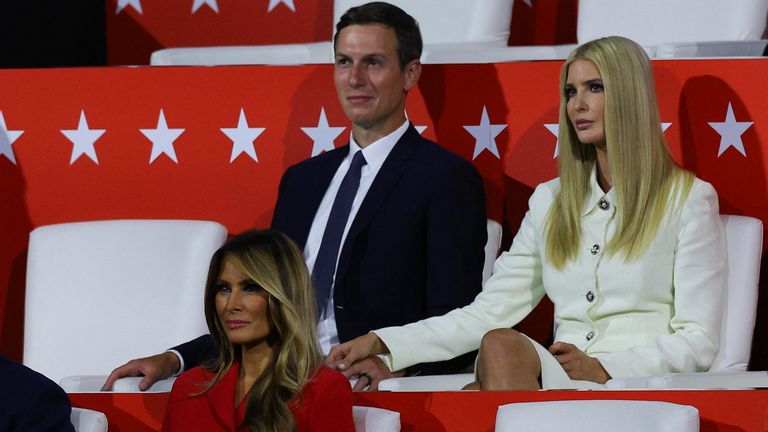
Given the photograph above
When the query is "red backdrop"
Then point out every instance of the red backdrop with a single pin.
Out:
(45, 186)
(133, 35)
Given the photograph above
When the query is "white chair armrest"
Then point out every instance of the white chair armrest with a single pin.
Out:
(85, 420)
(288, 54)
(93, 383)
(696, 381)
(712, 49)
(427, 383)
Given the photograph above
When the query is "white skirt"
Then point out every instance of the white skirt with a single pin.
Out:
(553, 376)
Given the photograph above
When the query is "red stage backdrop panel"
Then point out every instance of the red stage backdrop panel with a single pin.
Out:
(212, 143)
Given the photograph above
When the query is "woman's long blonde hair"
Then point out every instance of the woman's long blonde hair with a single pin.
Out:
(275, 263)
(647, 181)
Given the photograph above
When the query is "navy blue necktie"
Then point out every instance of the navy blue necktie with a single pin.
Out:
(327, 256)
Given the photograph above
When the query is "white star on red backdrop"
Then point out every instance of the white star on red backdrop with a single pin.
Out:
(274, 3)
(121, 4)
(197, 4)
(730, 132)
(322, 135)
(7, 138)
(554, 129)
(162, 139)
(485, 135)
(242, 138)
(83, 139)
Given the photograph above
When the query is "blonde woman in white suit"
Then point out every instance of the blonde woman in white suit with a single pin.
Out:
(626, 244)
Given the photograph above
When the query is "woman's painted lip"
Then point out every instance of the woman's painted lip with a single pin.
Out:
(236, 324)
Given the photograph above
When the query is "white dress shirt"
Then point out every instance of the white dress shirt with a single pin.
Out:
(375, 154)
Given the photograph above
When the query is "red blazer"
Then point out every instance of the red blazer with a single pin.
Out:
(326, 403)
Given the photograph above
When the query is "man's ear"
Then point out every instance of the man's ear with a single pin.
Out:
(412, 74)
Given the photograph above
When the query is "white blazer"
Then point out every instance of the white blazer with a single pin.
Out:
(658, 314)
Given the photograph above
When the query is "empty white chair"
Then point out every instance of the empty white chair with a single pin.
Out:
(369, 419)
(101, 293)
(597, 416)
(85, 420)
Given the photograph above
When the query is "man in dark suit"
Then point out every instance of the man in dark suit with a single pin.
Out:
(31, 402)
(411, 244)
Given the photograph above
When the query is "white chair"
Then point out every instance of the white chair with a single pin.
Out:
(492, 246)
(101, 293)
(744, 242)
(85, 420)
(460, 26)
(597, 416)
(369, 419)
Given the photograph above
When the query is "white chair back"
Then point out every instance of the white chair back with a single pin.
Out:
(597, 416)
(451, 21)
(101, 293)
(744, 242)
(655, 22)
(492, 246)
(85, 420)
(369, 419)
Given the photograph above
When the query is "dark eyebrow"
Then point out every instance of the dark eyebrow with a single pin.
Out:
(594, 81)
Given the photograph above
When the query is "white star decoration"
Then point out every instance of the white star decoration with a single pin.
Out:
(242, 138)
(83, 140)
(162, 139)
(197, 4)
(554, 129)
(121, 4)
(419, 129)
(322, 135)
(7, 138)
(730, 132)
(485, 135)
(274, 3)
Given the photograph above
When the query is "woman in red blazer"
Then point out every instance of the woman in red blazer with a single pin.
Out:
(260, 310)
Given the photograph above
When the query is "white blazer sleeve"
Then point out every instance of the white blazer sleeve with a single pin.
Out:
(513, 290)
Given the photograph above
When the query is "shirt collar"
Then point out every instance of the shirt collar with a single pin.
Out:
(376, 152)
(596, 194)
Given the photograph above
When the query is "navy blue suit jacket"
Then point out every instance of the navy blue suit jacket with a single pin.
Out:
(415, 248)
(30, 402)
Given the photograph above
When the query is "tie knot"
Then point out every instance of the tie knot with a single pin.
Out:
(358, 160)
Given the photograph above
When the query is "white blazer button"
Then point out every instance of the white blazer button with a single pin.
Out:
(590, 296)
(590, 335)
(595, 249)
(603, 204)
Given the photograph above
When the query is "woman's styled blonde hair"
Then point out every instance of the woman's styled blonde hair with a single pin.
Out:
(275, 263)
(648, 182)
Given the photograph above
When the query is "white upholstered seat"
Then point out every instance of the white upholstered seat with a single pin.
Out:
(101, 293)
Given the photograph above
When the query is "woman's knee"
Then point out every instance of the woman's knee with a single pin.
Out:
(503, 341)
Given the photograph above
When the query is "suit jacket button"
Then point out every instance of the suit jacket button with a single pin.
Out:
(590, 296)
(603, 204)
(590, 335)
(595, 249)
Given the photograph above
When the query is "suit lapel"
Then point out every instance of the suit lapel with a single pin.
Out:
(221, 399)
(396, 164)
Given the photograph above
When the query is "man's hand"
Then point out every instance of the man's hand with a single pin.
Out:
(153, 368)
(578, 365)
(343, 356)
(369, 372)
